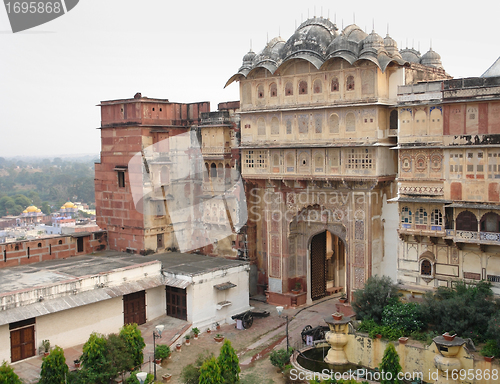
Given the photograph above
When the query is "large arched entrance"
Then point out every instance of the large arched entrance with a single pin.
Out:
(328, 264)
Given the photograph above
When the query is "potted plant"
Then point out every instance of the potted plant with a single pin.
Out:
(188, 338)
(448, 337)
(196, 332)
(162, 351)
(218, 338)
(46, 347)
(343, 298)
(298, 287)
(489, 350)
(77, 363)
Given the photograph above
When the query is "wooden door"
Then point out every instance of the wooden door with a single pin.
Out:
(176, 302)
(22, 343)
(318, 268)
(134, 308)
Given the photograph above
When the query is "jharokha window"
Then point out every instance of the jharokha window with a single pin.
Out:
(303, 88)
(350, 83)
(426, 268)
(335, 85)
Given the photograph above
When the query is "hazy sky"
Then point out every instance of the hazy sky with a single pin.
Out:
(52, 76)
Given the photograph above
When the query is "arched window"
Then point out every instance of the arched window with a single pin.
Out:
(490, 222)
(393, 120)
(467, 221)
(275, 126)
(334, 123)
(288, 89)
(437, 217)
(213, 170)
(335, 85)
(350, 122)
(260, 91)
(350, 83)
(303, 88)
(317, 86)
(426, 268)
(421, 216)
(273, 90)
(406, 215)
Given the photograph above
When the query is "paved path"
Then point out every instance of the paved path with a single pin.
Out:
(251, 344)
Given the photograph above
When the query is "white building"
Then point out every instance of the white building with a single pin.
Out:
(63, 301)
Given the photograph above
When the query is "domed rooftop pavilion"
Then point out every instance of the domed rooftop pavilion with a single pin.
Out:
(318, 40)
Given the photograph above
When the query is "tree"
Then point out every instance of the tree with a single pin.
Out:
(370, 301)
(134, 341)
(229, 363)
(390, 367)
(210, 372)
(54, 368)
(7, 375)
(95, 362)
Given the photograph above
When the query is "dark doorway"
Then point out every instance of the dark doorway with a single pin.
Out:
(79, 244)
(318, 270)
(176, 302)
(134, 308)
(22, 340)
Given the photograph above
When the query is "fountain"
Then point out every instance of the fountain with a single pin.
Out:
(337, 338)
(447, 361)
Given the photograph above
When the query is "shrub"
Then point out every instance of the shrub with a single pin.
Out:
(134, 341)
(54, 369)
(404, 316)
(210, 372)
(281, 357)
(490, 349)
(493, 331)
(390, 366)
(370, 301)
(229, 363)
(162, 351)
(464, 308)
(7, 375)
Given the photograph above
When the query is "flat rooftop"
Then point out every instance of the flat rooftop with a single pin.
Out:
(53, 271)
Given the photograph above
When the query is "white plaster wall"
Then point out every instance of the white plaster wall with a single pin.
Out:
(73, 326)
(155, 303)
(4, 343)
(203, 297)
(390, 223)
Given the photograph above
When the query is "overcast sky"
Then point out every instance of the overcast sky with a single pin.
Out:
(52, 76)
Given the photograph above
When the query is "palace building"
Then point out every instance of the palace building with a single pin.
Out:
(319, 123)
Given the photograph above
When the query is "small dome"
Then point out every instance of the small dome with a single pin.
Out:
(248, 58)
(31, 209)
(373, 40)
(431, 59)
(410, 55)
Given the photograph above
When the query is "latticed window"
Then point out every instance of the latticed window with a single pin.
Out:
(426, 268)
(360, 159)
(421, 216)
(437, 217)
(249, 160)
(406, 215)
